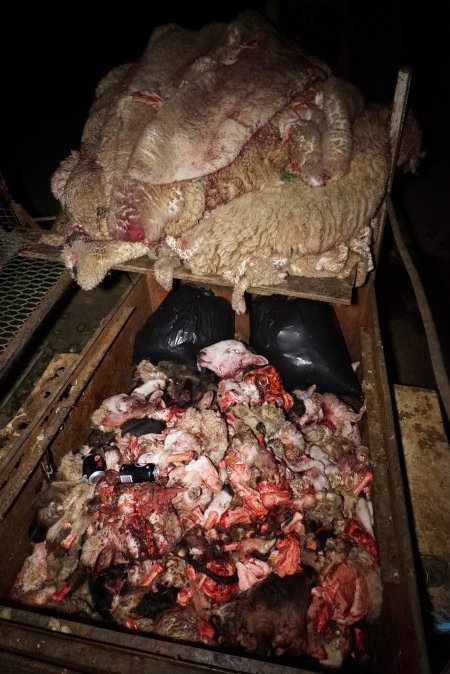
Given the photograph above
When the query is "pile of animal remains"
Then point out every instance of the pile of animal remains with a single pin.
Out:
(227, 151)
(256, 535)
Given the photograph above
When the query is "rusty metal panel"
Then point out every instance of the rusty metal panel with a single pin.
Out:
(26, 452)
(38, 400)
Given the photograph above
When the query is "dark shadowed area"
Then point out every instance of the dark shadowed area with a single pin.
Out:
(55, 59)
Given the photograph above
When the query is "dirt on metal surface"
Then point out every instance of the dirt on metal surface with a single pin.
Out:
(427, 460)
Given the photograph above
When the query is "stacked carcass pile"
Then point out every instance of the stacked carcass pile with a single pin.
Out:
(228, 151)
(251, 530)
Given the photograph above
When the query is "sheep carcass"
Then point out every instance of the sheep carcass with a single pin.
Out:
(206, 126)
(290, 228)
(157, 126)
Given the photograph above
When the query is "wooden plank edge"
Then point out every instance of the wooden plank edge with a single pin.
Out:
(327, 289)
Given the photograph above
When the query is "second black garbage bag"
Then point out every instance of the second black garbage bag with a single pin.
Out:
(303, 340)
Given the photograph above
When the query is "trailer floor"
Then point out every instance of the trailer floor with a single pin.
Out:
(77, 315)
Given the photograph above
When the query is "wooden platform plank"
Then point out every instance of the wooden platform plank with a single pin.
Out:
(326, 289)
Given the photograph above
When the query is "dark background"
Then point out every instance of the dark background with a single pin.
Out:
(56, 52)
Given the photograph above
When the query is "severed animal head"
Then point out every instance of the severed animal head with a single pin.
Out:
(228, 358)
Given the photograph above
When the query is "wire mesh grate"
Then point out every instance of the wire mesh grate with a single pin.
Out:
(8, 219)
(24, 282)
(29, 286)
(11, 240)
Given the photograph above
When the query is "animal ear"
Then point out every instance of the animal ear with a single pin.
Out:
(260, 360)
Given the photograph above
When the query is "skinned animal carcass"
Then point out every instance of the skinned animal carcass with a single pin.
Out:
(254, 526)
(227, 150)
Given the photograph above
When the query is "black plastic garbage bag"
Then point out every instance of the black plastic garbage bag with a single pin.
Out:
(187, 320)
(303, 340)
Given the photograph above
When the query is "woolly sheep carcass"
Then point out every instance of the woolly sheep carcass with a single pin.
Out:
(175, 163)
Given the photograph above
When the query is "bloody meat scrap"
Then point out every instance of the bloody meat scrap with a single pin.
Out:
(257, 532)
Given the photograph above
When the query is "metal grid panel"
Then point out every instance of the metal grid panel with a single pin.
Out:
(8, 218)
(29, 287)
(11, 240)
(24, 283)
